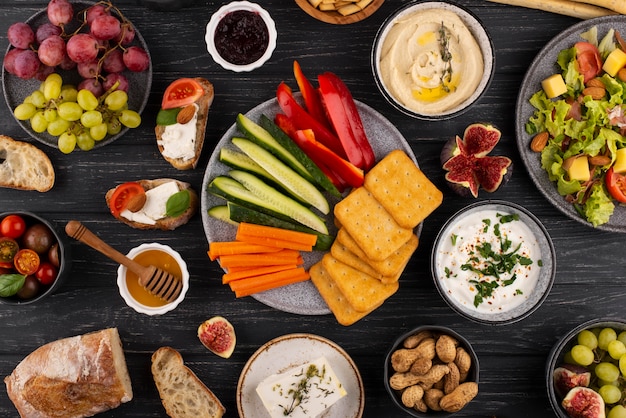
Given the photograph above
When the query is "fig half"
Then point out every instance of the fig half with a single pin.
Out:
(469, 167)
(569, 376)
(218, 335)
(581, 402)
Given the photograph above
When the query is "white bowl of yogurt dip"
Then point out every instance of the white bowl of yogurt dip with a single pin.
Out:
(493, 262)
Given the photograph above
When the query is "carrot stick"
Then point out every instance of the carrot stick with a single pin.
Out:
(243, 274)
(270, 241)
(256, 284)
(217, 249)
(264, 259)
(246, 228)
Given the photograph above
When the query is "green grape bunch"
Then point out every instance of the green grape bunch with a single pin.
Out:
(77, 118)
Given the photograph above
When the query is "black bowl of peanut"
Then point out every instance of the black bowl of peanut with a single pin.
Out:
(431, 371)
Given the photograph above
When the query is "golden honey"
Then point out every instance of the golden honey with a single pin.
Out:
(157, 258)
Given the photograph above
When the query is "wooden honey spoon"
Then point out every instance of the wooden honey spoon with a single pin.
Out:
(158, 282)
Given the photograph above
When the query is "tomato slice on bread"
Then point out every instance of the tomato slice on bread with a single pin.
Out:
(122, 195)
(181, 92)
(616, 185)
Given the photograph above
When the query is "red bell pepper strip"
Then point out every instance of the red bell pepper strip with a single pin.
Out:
(348, 172)
(351, 114)
(312, 100)
(303, 120)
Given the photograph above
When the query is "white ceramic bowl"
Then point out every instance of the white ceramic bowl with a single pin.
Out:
(128, 298)
(479, 33)
(518, 295)
(220, 14)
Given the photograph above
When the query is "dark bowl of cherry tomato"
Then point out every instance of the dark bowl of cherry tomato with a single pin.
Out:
(35, 258)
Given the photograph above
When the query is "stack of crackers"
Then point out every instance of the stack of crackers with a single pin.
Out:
(376, 237)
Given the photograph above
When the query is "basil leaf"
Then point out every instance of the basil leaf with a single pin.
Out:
(167, 117)
(177, 203)
(10, 284)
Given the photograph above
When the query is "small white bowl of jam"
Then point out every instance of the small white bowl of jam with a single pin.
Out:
(135, 295)
(241, 36)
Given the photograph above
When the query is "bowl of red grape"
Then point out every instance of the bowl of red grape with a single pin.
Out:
(77, 74)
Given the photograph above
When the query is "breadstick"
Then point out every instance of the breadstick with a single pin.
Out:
(618, 6)
(565, 7)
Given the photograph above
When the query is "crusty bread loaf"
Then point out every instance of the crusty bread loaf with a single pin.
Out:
(73, 377)
(24, 166)
(183, 395)
(167, 223)
(204, 104)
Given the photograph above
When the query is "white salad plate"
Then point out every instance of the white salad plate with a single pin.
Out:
(292, 350)
(299, 298)
(543, 66)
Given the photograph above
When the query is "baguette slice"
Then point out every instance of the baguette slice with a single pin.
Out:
(183, 395)
(204, 104)
(167, 223)
(73, 377)
(23, 166)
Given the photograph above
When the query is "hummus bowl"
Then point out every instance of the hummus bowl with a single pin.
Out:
(493, 262)
(432, 60)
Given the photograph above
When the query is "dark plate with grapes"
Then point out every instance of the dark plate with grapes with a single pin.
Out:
(18, 87)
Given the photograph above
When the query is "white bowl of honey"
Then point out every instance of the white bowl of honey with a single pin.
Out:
(138, 297)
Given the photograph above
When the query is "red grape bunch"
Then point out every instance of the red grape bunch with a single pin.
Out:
(96, 42)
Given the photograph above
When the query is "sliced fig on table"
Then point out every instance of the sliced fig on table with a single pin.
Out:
(581, 402)
(569, 376)
(468, 165)
(218, 335)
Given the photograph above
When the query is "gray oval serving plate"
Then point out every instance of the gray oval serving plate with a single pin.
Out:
(542, 67)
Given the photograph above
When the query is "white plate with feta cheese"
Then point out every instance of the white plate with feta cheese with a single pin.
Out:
(298, 358)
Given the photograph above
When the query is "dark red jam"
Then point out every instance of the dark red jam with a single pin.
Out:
(241, 37)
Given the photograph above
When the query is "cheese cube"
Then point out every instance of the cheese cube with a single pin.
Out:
(579, 169)
(620, 161)
(301, 392)
(614, 62)
(554, 86)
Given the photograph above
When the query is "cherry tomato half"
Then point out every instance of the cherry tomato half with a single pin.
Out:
(181, 92)
(8, 248)
(122, 194)
(26, 261)
(46, 273)
(616, 185)
(12, 226)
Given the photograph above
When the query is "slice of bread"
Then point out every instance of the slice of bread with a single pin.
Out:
(167, 223)
(23, 166)
(183, 395)
(204, 104)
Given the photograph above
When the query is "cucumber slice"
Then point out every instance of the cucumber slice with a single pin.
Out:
(279, 201)
(288, 178)
(238, 213)
(222, 213)
(261, 137)
(319, 178)
(233, 191)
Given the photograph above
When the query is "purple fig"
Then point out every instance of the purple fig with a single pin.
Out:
(469, 167)
(581, 402)
(569, 376)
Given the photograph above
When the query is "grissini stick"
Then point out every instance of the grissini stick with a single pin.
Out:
(564, 7)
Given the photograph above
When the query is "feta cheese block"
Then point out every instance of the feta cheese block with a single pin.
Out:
(155, 207)
(304, 391)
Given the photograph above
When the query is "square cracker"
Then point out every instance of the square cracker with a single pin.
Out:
(371, 226)
(343, 254)
(403, 189)
(361, 291)
(338, 305)
(390, 266)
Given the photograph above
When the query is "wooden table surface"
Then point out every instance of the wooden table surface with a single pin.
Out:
(590, 274)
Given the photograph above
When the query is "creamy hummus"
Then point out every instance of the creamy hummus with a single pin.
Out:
(430, 62)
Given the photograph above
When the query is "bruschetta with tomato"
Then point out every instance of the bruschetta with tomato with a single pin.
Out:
(153, 204)
(182, 120)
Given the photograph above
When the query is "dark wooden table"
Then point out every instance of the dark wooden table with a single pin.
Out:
(590, 277)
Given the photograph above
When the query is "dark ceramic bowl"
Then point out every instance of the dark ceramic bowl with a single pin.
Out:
(479, 33)
(396, 396)
(519, 299)
(65, 259)
(564, 345)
